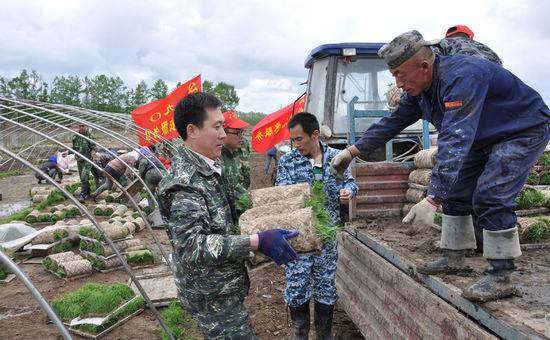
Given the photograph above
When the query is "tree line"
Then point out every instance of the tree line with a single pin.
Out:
(101, 92)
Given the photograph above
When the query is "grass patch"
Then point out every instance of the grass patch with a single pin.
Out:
(545, 179)
(95, 299)
(21, 215)
(438, 219)
(538, 231)
(244, 203)
(176, 318)
(10, 173)
(545, 159)
(530, 199)
(142, 257)
(533, 179)
(323, 221)
(62, 247)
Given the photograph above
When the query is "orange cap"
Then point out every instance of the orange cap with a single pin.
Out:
(232, 121)
(460, 29)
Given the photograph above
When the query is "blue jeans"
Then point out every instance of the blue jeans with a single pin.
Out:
(313, 275)
(492, 177)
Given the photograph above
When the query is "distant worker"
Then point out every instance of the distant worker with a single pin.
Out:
(51, 169)
(313, 275)
(492, 129)
(116, 169)
(459, 40)
(235, 157)
(101, 159)
(83, 143)
(150, 170)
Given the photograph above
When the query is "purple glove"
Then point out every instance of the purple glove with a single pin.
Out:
(273, 243)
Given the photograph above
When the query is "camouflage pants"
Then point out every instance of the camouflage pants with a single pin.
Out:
(312, 274)
(224, 318)
(84, 170)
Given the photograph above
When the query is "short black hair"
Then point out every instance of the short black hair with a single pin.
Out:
(192, 110)
(306, 120)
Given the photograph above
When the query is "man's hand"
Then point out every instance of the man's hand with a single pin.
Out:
(340, 163)
(273, 243)
(344, 196)
(422, 213)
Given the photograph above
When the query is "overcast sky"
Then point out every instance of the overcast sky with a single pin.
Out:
(258, 46)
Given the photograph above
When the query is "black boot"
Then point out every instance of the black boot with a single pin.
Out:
(452, 262)
(84, 191)
(323, 321)
(495, 284)
(300, 321)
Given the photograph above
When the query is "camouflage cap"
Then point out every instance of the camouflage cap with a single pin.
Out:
(402, 47)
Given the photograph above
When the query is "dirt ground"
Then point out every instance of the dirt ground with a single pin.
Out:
(22, 318)
(532, 277)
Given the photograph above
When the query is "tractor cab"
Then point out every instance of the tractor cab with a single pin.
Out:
(346, 90)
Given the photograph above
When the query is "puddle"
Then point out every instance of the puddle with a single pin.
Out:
(7, 209)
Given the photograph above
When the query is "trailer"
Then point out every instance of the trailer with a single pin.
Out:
(379, 287)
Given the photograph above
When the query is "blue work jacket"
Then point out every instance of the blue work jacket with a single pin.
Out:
(473, 103)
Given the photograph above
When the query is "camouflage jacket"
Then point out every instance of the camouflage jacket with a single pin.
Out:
(85, 147)
(200, 216)
(465, 46)
(236, 168)
(294, 168)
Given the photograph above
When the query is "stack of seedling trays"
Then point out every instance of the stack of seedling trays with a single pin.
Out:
(67, 265)
(290, 207)
(39, 194)
(57, 238)
(53, 214)
(94, 247)
(94, 310)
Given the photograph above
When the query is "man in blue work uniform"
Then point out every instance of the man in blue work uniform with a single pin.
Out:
(313, 274)
(492, 128)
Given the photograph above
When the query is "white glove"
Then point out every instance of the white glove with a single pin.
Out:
(340, 163)
(421, 214)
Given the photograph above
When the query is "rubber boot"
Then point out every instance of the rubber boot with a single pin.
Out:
(452, 262)
(495, 284)
(323, 321)
(300, 321)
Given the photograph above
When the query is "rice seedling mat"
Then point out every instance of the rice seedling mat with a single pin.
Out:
(84, 334)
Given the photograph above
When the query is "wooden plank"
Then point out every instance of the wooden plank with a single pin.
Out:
(386, 299)
(356, 313)
(437, 309)
(364, 199)
(447, 292)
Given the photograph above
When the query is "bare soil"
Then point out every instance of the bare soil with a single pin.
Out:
(532, 277)
(22, 318)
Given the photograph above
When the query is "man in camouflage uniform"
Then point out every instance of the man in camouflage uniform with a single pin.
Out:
(200, 215)
(236, 155)
(313, 274)
(459, 40)
(84, 147)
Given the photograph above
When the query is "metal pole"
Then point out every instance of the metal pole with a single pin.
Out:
(36, 294)
(132, 201)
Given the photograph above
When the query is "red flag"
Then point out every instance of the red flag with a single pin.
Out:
(273, 128)
(157, 117)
